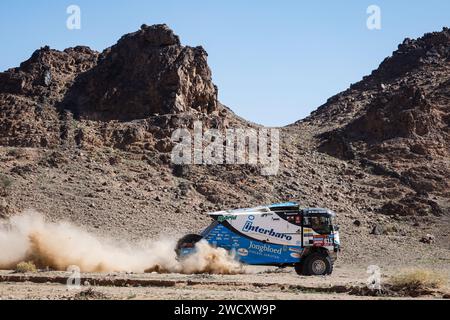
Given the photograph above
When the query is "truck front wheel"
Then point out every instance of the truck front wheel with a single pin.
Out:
(188, 241)
(317, 264)
(298, 267)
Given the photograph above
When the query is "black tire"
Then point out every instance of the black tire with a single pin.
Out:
(187, 241)
(298, 267)
(317, 264)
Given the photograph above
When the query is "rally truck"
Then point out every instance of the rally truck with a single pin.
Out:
(275, 235)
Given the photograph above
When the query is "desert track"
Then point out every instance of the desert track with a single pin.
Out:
(264, 283)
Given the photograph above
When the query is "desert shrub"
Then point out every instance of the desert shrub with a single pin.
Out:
(418, 279)
(24, 267)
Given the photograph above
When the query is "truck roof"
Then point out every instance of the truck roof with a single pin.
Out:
(276, 207)
(246, 211)
(308, 211)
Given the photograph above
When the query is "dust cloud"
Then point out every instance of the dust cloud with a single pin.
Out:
(28, 237)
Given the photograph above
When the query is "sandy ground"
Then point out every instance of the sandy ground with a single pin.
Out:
(262, 283)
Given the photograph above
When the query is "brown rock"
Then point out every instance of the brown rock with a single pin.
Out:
(146, 73)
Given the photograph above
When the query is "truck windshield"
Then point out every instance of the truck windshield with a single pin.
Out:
(320, 224)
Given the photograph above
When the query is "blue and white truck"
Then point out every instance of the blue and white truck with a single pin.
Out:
(277, 235)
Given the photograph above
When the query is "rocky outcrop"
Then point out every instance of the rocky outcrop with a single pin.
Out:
(30, 93)
(395, 122)
(46, 101)
(146, 73)
(404, 113)
(48, 73)
(420, 63)
(415, 54)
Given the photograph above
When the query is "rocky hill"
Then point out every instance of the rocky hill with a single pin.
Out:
(85, 137)
(80, 97)
(396, 122)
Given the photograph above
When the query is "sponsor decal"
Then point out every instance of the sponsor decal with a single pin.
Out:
(295, 255)
(249, 227)
(322, 241)
(242, 252)
(295, 249)
(226, 218)
(264, 248)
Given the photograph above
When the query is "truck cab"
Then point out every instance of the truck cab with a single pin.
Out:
(279, 234)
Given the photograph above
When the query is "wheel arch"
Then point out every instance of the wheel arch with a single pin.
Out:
(310, 250)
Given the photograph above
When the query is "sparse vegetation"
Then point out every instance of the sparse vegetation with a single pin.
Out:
(418, 279)
(25, 267)
(5, 185)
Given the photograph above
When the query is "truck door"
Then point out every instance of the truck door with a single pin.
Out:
(307, 232)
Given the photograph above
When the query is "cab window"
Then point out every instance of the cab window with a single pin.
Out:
(320, 224)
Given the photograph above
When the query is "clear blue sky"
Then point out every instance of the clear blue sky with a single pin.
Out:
(273, 61)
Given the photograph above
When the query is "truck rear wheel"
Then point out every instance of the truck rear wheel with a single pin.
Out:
(317, 264)
(188, 241)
